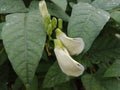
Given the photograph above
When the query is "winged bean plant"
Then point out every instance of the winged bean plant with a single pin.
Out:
(59, 44)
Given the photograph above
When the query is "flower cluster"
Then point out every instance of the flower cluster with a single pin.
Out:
(64, 45)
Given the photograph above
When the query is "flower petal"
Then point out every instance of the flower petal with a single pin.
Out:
(74, 45)
(44, 12)
(68, 65)
(43, 9)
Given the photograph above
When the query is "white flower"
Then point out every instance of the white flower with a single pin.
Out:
(43, 8)
(74, 45)
(68, 65)
(44, 12)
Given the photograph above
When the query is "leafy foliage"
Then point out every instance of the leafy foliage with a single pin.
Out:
(113, 70)
(55, 76)
(27, 59)
(12, 6)
(52, 8)
(24, 34)
(106, 4)
(87, 1)
(62, 4)
(89, 81)
(86, 22)
(115, 15)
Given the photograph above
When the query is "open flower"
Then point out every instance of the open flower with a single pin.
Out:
(74, 45)
(68, 65)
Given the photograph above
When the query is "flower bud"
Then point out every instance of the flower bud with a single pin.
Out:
(44, 12)
(54, 23)
(68, 65)
(60, 23)
(74, 45)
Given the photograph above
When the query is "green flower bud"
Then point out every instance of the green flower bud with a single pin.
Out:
(60, 24)
(54, 23)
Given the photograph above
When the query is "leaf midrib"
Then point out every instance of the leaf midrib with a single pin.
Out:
(25, 39)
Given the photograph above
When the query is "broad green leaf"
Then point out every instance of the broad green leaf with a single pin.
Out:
(34, 84)
(54, 76)
(113, 70)
(106, 4)
(24, 38)
(12, 6)
(72, 4)
(86, 22)
(66, 86)
(87, 1)
(62, 4)
(57, 11)
(108, 83)
(53, 9)
(1, 25)
(106, 47)
(111, 83)
(34, 5)
(18, 84)
(116, 16)
(90, 83)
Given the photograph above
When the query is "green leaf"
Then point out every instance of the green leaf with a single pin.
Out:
(62, 4)
(87, 1)
(86, 22)
(54, 76)
(18, 84)
(116, 16)
(24, 38)
(34, 84)
(57, 11)
(12, 6)
(53, 9)
(34, 5)
(113, 70)
(108, 83)
(111, 84)
(66, 86)
(106, 47)
(106, 4)
(1, 25)
(71, 4)
(90, 83)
